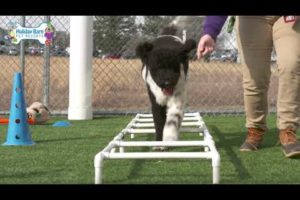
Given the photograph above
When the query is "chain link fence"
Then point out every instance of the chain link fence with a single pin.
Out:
(214, 83)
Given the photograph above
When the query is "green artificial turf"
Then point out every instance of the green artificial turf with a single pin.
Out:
(65, 155)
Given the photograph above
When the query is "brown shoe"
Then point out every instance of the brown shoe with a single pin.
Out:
(253, 140)
(289, 142)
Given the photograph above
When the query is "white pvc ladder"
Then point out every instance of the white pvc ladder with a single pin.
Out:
(143, 124)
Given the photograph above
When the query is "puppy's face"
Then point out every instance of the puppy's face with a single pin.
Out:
(164, 62)
(164, 67)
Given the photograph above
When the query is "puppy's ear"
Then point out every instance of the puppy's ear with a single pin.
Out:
(189, 45)
(143, 49)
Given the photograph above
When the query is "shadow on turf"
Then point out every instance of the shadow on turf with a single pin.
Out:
(231, 141)
(30, 174)
(137, 166)
(270, 139)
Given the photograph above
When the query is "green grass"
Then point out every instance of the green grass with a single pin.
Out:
(65, 155)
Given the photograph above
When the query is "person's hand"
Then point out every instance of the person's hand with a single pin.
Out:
(206, 45)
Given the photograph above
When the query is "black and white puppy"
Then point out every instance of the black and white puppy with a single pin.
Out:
(165, 67)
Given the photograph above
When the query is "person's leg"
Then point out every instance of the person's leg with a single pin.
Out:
(286, 36)
(255, 47)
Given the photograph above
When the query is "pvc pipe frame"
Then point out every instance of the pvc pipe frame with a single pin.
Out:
(109, 152)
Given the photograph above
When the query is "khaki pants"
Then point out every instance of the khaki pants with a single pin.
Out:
(256, 36)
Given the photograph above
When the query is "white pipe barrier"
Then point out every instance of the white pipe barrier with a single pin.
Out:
(80, 75)
(137, 126)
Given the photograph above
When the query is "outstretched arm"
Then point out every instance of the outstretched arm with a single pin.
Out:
(213, 25)
(211, 29)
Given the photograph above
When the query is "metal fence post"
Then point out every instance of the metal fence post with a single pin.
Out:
(22, 51)
(46, 71)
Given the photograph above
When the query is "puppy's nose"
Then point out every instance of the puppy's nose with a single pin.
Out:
(167, 84)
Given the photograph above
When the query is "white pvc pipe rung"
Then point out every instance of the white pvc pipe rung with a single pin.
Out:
(192, 123)
(151, 130)
(151, 119)
(144, 120)
(183, 124)
(157, 155)
(192, 114)
(185, 115)
(143, 125)
(161, 143)
(144, 130)
(189, 130)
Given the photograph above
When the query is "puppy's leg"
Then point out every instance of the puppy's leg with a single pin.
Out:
(173, 121)
(159, 119)
(159, 115)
